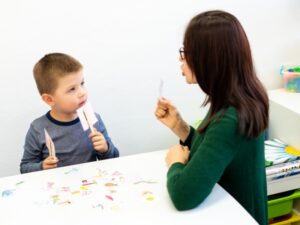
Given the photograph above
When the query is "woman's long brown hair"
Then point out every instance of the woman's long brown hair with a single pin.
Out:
(218, 53)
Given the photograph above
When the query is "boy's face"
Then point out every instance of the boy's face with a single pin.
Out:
(70, 95)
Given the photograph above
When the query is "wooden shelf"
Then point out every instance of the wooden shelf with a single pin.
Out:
(286, 99)
(284, 122)
(284, 184)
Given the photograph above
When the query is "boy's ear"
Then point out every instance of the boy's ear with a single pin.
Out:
(48, 99)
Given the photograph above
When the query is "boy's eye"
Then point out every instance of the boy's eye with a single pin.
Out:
(82, 83)
(71, 89)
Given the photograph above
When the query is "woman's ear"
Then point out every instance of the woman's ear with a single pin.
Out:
(48, 99)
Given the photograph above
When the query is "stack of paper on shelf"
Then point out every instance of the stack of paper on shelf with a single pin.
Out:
(281, 160)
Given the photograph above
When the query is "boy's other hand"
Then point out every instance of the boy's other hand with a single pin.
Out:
(99, 142)
(49, 163)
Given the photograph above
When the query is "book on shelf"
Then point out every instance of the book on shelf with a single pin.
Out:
(282, 160)
(277, 152)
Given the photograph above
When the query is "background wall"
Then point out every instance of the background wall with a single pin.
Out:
(126, 47)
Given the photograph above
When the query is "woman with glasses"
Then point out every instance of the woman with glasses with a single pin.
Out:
(228, 146)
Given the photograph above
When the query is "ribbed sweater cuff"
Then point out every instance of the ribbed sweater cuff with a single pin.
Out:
(188, 141)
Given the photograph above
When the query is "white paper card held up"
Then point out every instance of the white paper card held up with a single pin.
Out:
(161, 88)
(49, 144)
(87, 116)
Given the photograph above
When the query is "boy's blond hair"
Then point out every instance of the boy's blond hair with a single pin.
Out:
(51, 67)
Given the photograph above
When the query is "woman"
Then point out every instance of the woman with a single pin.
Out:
(228, 146)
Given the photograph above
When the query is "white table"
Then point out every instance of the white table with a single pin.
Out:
(127, 190)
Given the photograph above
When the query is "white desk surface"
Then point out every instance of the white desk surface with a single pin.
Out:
(127, 190)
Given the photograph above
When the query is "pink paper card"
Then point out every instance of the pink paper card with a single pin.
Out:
(50, 145)
(87, 116)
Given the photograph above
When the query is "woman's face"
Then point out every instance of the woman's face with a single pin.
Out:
(186, 71)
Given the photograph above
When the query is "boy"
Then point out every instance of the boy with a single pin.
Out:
(59, 79)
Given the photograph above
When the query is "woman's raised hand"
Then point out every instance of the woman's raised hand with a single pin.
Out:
(167, 113)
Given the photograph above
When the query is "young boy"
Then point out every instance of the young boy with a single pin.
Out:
(60, 82)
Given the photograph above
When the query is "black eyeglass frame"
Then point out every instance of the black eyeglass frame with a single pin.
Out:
(182, 53)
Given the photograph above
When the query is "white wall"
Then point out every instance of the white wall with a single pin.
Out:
(126, 47)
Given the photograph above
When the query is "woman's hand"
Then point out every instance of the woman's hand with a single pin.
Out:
(177, 153)
(49, 163)
(99, 141)
(167, 113)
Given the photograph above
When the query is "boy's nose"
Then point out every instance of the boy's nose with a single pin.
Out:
(82, 92)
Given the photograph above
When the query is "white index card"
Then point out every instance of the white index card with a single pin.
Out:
(161, 88)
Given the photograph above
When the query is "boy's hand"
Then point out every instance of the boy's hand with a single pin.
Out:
(99, 142)
(49, 163)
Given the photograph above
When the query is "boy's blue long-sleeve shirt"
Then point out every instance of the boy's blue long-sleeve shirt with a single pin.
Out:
(72, 143)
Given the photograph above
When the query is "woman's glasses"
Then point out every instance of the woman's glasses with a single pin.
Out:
(182, 53)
